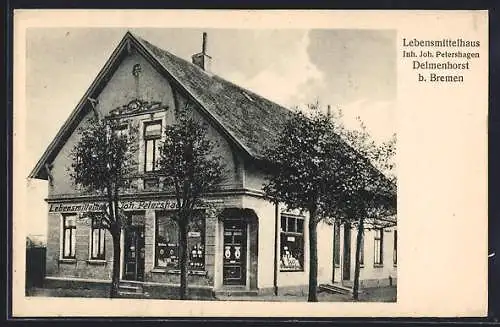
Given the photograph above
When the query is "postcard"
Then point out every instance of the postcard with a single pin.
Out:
(241, 163)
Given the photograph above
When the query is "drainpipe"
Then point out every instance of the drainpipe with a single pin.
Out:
(276, 217)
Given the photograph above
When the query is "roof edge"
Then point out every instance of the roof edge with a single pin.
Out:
(190, 94)
(37, 171)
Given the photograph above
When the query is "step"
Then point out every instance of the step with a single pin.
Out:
(130, 288)
(335, 288)
(236, 292)
(131, 282)
(134, 295)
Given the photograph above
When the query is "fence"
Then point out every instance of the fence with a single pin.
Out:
(35, 266)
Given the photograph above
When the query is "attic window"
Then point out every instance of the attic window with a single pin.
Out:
(248, 96)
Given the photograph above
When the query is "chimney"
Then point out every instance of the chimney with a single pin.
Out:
(202, 59)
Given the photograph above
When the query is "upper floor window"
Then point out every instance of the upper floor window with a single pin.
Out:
(69, 237)
(379, 247)
(152, 136)
(292, 243)
(121, 131)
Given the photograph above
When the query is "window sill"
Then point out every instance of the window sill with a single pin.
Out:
(378, 265)
(337, 265)
(395, 265)
(361, 265)
(67, 260)
(178, 272)
(96, 262)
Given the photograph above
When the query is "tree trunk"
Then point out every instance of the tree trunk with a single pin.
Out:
(355, 287)
(183, 258)
(313, 258)
(115, 281)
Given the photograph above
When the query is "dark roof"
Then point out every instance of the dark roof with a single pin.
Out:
(251, 119)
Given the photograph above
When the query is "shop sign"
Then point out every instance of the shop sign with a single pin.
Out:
(125, 205)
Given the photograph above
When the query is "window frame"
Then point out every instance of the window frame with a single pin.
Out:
(336, 244)
(121, 130)
(285, 232)
(362, 251)
(155, 139)
(395, 249)
(202, 230)
(102, 237)
(380, 241)
(72, 242)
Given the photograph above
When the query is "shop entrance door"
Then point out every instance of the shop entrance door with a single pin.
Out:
(134, 253)
(234, 252)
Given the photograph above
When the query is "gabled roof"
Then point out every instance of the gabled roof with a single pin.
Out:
(246, 118)
(250, 121)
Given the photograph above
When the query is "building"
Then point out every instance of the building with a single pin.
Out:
(253, 245)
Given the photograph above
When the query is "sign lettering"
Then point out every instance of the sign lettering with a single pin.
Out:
(125, 205)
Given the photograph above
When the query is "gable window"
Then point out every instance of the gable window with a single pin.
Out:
(336, 236)
(167, 242)
(395, 253)
(152, 136)
(379, 247)
(121, 131)
(97, 241)
(292, 243)
(69, 237)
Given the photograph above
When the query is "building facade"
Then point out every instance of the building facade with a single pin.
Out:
(245, 243)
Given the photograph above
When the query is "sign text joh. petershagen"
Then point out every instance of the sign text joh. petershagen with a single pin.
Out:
(126, 205)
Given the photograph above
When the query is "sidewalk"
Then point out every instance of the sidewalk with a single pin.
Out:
(378, 294)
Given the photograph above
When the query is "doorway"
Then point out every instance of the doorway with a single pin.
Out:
(234, 252)
(134, 253)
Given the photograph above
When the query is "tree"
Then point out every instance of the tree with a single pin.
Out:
(369, 194)
(310, 162)
(102, 163)
(191, 167)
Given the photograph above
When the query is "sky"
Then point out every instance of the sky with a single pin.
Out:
(354, 70)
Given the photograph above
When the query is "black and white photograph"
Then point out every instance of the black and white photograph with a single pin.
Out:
(239, 165)
(200, 163)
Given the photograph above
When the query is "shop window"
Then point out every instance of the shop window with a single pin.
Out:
(336, 237)
(97, 241)
(69, 237)
(292, 243)
(167, 242)
(152, 135)
(379, 247)
(395, 252)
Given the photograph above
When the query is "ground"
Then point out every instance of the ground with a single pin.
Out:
(379, 294)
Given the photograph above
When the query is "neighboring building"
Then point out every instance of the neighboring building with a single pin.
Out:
(378, 264)
(241, 248)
